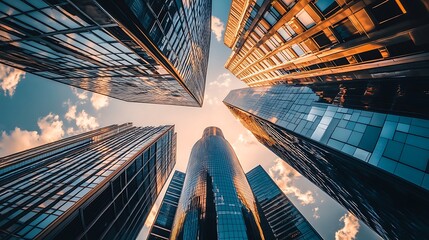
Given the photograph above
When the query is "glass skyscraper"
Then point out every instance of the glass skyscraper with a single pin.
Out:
(134, 50)
(161, 228)
(216, 200)
(284, 219)
(97, 185)
(371, 158)
(301, 41)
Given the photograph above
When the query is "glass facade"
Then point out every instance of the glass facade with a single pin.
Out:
(326, 40)
(161, 228)
(284, 219)
(375, 164)
(216, 200)
(133, 50)
(103, 187)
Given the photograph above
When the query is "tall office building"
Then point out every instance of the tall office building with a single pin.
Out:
(161, 228)
(134, 50)
(97, 185)
(303, 41)
(216, 200)
(284, 219)
(374, 163)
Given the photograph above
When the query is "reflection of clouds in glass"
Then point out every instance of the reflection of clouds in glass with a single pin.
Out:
(350, 229)
(284, 176)
(51, 129)
(9, 78)
(151, 218)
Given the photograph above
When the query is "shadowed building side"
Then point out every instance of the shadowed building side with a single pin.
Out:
(96, 185)
(284, 219)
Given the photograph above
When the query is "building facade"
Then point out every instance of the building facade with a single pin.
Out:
(284, 219)
(137, 51)
(216, 200)
(373, 163)
(163, 224)
(303, 41)
(97, 185)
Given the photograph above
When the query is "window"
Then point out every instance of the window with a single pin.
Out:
(284, 33)
(289, 3)
(369, 55)
(298, 50)
(305, 19)
(388, 10)
(321, 40)
(345, 30)
(327, 7)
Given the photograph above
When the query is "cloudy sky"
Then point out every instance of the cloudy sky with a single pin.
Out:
(36, 111)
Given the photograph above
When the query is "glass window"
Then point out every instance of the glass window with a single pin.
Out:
(345, 30)
(298, 50)
(305, 19)
(284, 33)
(321, 39)
(327, 7)
(387, 10)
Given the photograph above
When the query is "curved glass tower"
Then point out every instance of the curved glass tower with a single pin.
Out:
(216, 200)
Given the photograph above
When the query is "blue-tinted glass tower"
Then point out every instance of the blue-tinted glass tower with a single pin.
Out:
(216, 200)
(97, 185)
(370, 157)
(134, 50)
(283, 218)
(161, 228)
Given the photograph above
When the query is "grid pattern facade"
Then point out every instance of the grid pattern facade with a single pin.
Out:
(104, 189)
(302, 41)
(285, 220)
(139, 51)
(369, 162)
(216, 200)
(161, 228)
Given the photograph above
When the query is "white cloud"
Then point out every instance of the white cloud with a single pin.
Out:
(217, 28)
(350, 229)
(83, 120)
(99, 101)
(211, 100)
(80, 95)
(71, 113)
(51, 129)
(9, 79)
(316, 213)
(284, 176)
(222, 80)
(247, 138)
(86, 122)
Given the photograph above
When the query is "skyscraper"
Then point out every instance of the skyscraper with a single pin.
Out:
(305, 41)
(374, 163)
(216, 200)
(138, 51)
(284, 219)
(161, 228)
(97, 185)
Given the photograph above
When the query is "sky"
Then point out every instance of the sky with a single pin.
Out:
(36, 111)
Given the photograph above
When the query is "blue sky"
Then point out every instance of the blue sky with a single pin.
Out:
(39, 111)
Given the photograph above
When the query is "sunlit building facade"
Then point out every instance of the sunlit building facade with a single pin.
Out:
(137, 51)
(216, 200)
(302, 41)
(372, 159)
(284, 219)
(161, 228)
(97, 185)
